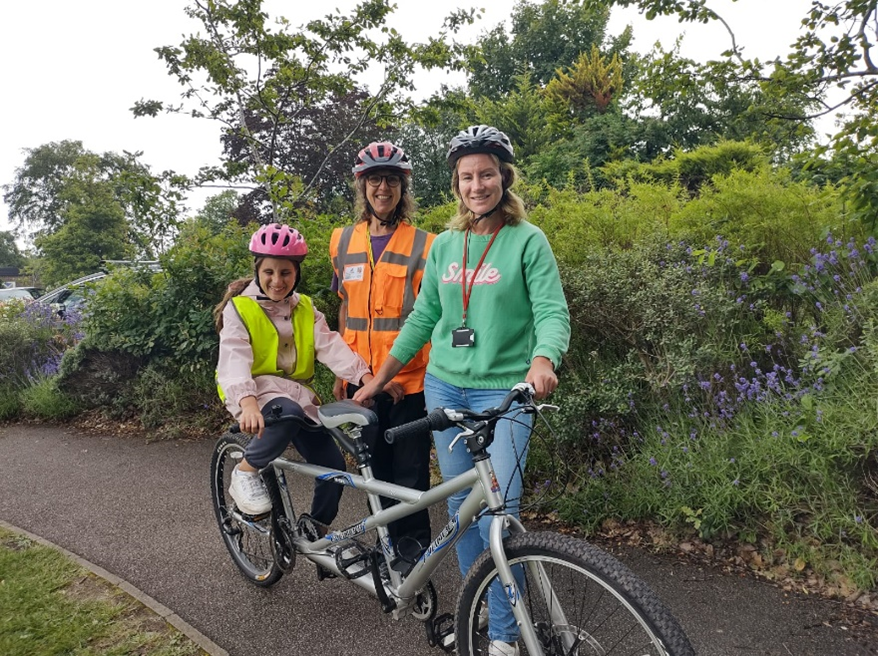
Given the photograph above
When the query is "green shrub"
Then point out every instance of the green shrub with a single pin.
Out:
(10, 402)
(44, 400)
(766, 210)
(171, 402)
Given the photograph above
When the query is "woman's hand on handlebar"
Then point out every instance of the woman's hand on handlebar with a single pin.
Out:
(251, 419)
(542, 376)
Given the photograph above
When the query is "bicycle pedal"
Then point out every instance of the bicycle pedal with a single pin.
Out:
(440, 633)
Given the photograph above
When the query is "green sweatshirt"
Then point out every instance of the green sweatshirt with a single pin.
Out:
(517, 309)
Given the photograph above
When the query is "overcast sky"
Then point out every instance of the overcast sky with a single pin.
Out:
(71, 69)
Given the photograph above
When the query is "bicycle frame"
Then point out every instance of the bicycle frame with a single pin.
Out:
(484, 497)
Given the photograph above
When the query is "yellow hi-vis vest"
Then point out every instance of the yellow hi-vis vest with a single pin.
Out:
(264, 340)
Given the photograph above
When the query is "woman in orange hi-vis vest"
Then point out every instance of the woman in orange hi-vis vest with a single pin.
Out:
(378, 264)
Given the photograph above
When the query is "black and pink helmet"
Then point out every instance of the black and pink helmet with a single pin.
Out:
(480, 139)
(277, 240)
(381, 155)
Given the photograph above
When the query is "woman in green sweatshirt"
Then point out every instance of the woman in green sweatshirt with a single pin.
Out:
(492, 304)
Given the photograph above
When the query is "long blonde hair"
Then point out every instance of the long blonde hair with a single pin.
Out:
(404, 210)
(511, 206)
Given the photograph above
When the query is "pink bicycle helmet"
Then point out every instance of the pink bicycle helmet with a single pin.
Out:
(276, 240)
(381, 155)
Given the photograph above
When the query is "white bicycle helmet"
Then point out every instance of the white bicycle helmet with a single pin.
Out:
(480, 139)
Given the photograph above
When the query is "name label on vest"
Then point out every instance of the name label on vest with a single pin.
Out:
(354, 272)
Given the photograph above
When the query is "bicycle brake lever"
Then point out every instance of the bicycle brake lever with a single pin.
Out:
(464, 433)
(547, 406)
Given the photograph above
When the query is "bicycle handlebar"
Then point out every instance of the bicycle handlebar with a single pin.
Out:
(440, 418)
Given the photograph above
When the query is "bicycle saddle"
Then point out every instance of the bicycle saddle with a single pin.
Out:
(333, 415)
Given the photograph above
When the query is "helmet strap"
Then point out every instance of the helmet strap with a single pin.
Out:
(491, 211)
(392, 221)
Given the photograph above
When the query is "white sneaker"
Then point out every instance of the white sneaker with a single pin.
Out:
(249, 493)
(500, 648)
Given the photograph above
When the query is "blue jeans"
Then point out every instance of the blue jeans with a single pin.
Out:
(508, 456)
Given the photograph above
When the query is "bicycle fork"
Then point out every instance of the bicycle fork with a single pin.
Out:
(538, 576)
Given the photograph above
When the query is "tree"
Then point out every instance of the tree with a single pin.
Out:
(40, 196)
(10, 255)
(262, 82)
(319, 146)
(544, 37)
(92, 226)
(593, 82)
(832, 53)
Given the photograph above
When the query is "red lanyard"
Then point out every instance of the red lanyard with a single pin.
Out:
(467, 293)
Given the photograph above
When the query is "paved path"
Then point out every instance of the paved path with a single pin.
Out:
(142, 511)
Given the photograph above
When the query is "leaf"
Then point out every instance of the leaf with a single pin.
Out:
(799, 565)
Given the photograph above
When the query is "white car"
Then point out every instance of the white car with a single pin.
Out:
(28, 294)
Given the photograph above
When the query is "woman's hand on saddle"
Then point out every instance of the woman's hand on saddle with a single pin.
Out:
(542, 376)
(251, 419)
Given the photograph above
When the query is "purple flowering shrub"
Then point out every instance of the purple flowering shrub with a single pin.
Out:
(33, 340)
(707, 392)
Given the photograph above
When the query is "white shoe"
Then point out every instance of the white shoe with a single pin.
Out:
(249, 493)
(500, 648)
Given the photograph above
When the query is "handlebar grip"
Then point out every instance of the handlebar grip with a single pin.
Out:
(436, 420)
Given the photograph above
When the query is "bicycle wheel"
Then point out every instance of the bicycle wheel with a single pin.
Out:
(248, 539)
(581, 601)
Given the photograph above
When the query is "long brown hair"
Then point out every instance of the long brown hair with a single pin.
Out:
(511, 206)
(234, 289)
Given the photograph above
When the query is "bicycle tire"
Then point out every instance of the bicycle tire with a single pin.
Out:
(249, 541)
(606, 609)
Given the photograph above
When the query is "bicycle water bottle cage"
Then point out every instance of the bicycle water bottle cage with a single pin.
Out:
(339, 413)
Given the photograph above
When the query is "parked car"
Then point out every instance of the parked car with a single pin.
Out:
(74, 294)
(29, 294)
(71, 296)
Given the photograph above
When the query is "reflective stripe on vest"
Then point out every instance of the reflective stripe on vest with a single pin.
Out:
(264, 340)
(414, 263)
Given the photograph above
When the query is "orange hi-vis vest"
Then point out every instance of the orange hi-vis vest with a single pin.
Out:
(379, 300)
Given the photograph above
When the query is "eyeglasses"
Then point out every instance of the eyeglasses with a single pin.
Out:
(392, 180)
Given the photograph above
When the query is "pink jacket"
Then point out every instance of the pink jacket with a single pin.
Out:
(236, 357)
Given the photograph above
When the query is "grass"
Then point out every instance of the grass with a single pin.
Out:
(51, 606)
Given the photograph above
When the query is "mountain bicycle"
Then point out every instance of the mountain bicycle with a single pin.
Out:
(575, 600)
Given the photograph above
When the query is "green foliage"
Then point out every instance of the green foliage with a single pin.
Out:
(93, 228)
(305, 75)
(10, 401)
(522, 113)
(781, 219)
(545, 36)
(50, 605)
(44, 400)
(173, 403)
(577, 224)
(82, 205)
(691, 169)
(830, 53)
(10, 255)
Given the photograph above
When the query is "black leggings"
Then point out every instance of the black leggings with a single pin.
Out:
(315, 448)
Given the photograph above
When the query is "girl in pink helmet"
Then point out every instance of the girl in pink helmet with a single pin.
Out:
(270, 336)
